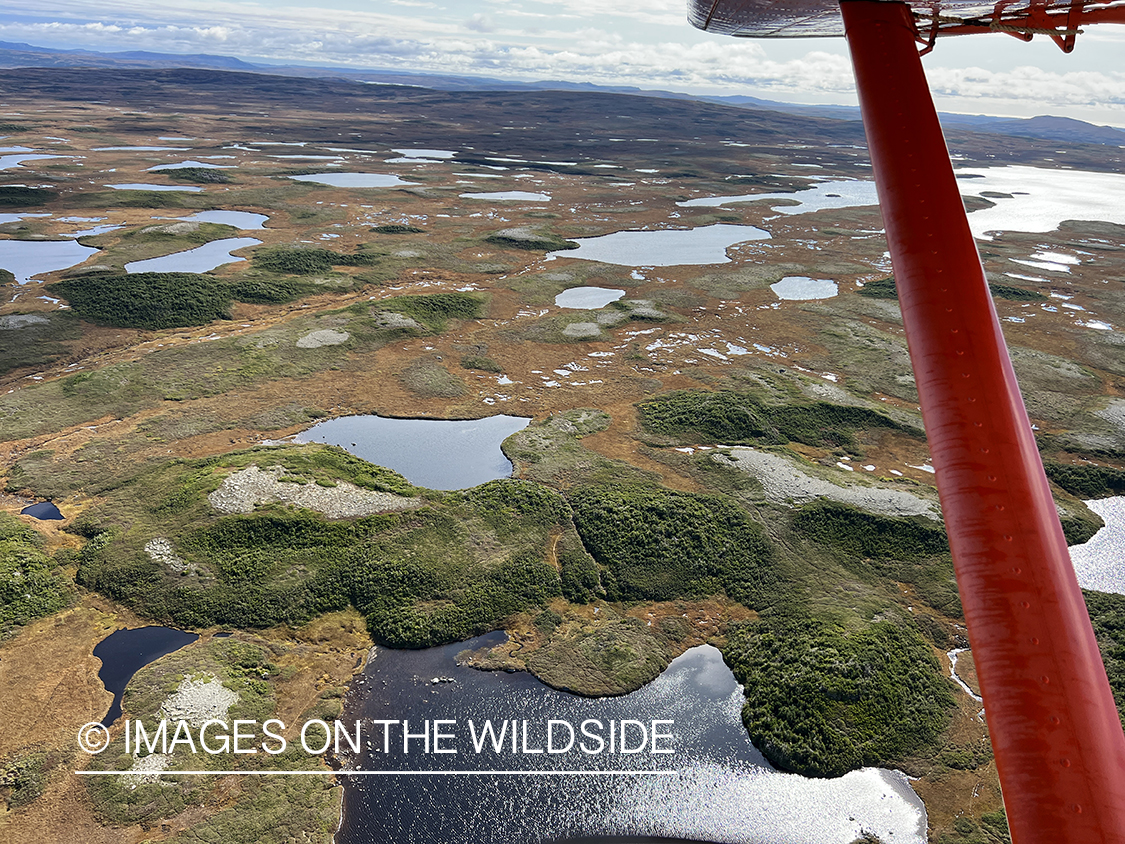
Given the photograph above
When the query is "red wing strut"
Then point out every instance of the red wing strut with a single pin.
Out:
(1058, 742)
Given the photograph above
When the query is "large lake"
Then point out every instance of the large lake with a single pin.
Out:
(719, 788)
(434, 453)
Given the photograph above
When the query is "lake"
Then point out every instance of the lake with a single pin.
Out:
(126, 652)
(354, 180)
(664, 247)
(242, 220)
(843, 193)
(27, 258)
(1100, 563)
(141, 186)
(509, 196)
(719, 787)
(434, 453)
(1039, 199)
(202, 259)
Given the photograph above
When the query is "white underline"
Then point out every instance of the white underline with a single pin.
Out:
(383, 773)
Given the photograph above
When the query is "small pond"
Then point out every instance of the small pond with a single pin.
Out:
(142, 186)
(588, 298)
(44, 510)
(434, 453)
(509, 195)
(202, 259)
(26, 258)
(799, 287)
(141, 149)
(1100, 563)
(354, 180)
(126, 652)
(242, 220)
(665, 247)
(720, 787)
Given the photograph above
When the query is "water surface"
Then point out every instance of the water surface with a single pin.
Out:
(845, 193)
(1039, 199)
(354, 180)
(509, 195)
(202, 259)
(142, 186)
(434, 453)
(43, 510)
(26, 258)
(665, 247)
(242, 220)
(721, 789)
(799, 287)
(1100, 563)
(126, 652)
(588, 298)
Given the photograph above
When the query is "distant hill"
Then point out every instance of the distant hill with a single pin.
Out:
(1045, 127)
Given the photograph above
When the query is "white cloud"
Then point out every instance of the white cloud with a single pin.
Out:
(576, 40)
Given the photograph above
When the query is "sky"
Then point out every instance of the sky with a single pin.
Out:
(643, 43)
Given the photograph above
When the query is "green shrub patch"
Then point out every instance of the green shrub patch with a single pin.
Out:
(822, 701)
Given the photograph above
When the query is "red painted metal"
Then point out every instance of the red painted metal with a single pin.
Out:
(1055, 731)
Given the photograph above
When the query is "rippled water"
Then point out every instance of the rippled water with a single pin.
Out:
(1040, 198)
(1100, 563)
(665, 247)
(434, 453)
(142, 186)
(719, 788)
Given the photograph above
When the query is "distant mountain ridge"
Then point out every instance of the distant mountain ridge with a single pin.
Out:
(1044, 127)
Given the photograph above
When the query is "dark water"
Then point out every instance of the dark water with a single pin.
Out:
(720, 788)
(124, 652)
(434, 453)
(43, 510)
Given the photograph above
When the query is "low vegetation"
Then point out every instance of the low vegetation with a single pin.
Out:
(822, 700)
(737, 418)
(448, 571)
(885, 288)
(18, 196)
(32, 584)
(35, 339)
(146, 300)
(199, 175)
(878, 548)
(397, 228)
(1107, 614)
(1086, 480)
(291, 260)
(656, 544)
